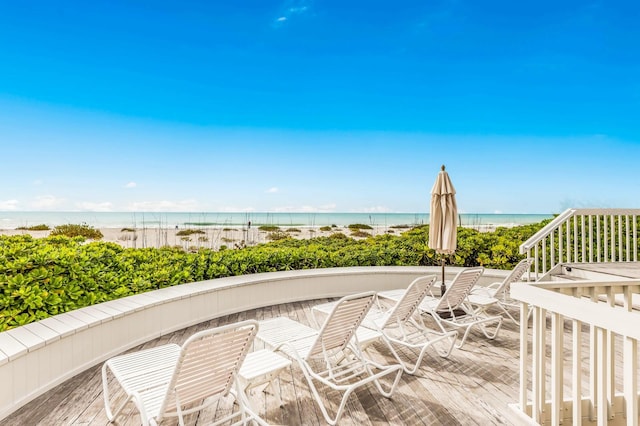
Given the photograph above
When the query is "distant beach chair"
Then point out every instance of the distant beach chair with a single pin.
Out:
(332, 355)
(168, 380)
(402, 326)
(453, 309)
(499, 293)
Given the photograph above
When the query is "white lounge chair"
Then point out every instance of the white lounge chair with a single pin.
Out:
(399, 326)
(331, 356)
(499, 293)
(453, 308)
(167, 381)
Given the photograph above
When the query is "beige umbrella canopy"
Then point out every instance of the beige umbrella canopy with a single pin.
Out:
(443, 214)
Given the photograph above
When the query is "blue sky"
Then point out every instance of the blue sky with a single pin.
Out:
(327, 106)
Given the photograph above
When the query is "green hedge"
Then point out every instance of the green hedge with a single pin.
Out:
(40, 277)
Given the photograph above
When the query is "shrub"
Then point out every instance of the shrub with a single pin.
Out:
(127, 230)
(361, 234)
(325, 228)
(277, 235)
(357, 226)
(83, 230)
(41, 227)
(269, 228)
(40, 277)
(188, 232)
(293, 230)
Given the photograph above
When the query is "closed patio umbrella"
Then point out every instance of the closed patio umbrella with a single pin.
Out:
(443, 214)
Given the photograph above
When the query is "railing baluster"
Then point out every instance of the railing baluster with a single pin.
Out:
(524, 357)
(583, 238)
(539, 367)
(631, 379)
(568, 235)
(598, 237)
(601, 372)
(590, 238)
(552, 249)
(544, 256)
(560, 244)
(635, 238)
(575, 239)
(620, 258)
(577, 372)
(612, 245)
(605, 241)
(593, 365)
(536, 257)
(627, 256)
(557, 350)
(611, 361)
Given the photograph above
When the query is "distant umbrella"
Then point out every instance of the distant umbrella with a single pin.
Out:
(443, 218)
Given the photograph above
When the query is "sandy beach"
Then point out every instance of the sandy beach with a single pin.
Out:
(217, 237)
(209, 237)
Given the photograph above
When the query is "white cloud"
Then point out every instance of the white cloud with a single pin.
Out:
(231, 209)
(95, 207)
(38, 182)
(377, 209)
(131, 185)
(296, 10)
(9, 205)
(272, 190)
(164, 206)
(497, 212)
(301, 8)
(47, 202)
(327, 208)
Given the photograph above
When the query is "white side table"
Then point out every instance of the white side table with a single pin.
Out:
(262, 367)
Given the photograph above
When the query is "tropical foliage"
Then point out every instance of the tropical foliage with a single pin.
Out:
(40, 277)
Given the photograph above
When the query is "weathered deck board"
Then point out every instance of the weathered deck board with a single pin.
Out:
(472, 386)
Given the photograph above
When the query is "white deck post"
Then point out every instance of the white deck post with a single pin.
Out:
(524, 348)
(557, 332)
(577, 372)
(539, 367)
(631, 380)
(601, 373)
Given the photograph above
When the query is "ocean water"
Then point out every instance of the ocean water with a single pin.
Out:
(12, 220)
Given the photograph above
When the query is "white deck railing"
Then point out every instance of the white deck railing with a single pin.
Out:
(593, 377)
(584, 235)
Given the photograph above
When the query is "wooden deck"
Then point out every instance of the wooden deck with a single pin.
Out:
(472, 386)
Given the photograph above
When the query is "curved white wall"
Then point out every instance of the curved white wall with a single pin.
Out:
(36, 357)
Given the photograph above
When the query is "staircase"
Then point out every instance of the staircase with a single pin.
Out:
(580, 237)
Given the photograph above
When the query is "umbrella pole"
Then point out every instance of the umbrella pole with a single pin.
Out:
(443, 287)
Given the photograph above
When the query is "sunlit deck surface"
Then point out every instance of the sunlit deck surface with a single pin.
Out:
(472, 386)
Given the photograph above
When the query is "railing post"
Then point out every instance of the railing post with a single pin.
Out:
(557, 350)
(577, 372)
(601, 373)
(539, 367)
(611, 361)
(524, 351)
